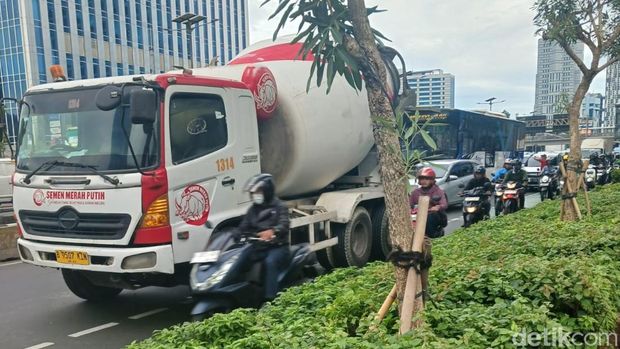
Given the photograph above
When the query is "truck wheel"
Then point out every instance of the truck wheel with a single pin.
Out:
(354, 240)
(324, 256)
(381, 244)
(83, 288)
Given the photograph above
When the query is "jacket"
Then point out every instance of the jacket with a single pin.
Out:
(500, 174)
(272, 215)
(433, 191)
(516, 176)
(475, 183)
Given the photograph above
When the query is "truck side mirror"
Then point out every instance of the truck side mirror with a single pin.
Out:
(108, 98)
(143, 106)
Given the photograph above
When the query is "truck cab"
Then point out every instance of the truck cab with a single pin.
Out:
(120, 180)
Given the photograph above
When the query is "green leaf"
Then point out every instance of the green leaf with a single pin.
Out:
(283, 19)
(428, 139)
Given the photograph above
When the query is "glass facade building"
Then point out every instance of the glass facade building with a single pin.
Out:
(434, 88)
(97, 38)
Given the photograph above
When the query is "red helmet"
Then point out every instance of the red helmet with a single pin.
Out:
(427, 172)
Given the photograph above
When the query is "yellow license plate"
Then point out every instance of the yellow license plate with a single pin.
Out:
(72, 257)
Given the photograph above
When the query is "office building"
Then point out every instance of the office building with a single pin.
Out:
(434, 88)
(557, 77)
(97, 38)
(612, 92)
(593, 109)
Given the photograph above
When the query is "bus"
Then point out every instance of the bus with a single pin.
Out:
(485, 137)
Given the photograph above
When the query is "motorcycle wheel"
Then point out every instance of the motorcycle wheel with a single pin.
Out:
(498, 208)
(543, 195)
(508, 209)
(469, 220)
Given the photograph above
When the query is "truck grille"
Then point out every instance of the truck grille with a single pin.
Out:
(68, 223)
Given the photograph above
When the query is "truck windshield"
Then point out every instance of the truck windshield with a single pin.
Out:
(67, 126)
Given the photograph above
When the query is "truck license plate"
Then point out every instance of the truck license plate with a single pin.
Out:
(72, 257)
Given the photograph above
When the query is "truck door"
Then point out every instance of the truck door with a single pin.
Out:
(202, 164)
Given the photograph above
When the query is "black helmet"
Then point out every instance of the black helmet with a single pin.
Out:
(481, 169)
(263, 182)
(516, 163)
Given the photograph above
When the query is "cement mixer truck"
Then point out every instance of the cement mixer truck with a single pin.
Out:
(120, 180)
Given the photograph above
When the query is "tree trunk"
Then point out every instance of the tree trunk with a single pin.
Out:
(393, 174)
(569, 212)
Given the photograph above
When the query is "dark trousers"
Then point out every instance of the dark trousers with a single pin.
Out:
(522, 200)
(434, 223)
(275, 262)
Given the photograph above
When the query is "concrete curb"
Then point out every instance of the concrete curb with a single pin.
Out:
(8, 242)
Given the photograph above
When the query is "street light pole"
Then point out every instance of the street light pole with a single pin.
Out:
(189, 19)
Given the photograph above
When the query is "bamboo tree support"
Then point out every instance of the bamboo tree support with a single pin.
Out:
(385, 307)
(582, 184)
(413, 277)
(569, 188)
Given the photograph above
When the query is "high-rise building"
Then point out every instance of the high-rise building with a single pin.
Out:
(97, 38)
(612, 92)
(434, 88)
(557, 77)
(593, 109)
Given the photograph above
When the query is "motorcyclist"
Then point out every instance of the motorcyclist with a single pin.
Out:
(437, 218)
(544, 162)
(268, 220)
(480, 180)
(499, 175)
(519, 176)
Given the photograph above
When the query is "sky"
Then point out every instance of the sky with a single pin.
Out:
(489, 46)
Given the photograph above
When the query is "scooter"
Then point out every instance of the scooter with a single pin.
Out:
(414, 217)
(473, 210)
(548, 185)
(601, 174)
(510, 199)
(229, 274)
(590, 177)
(498, 195)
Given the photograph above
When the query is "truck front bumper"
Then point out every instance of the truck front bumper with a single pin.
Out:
(152, 259)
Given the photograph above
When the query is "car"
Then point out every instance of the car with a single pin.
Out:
(532, 167)
(7, 168)
(452, 176)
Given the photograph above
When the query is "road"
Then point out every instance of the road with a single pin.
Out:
(38, 311)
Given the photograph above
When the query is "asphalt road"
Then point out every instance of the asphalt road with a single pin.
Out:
(38, 311)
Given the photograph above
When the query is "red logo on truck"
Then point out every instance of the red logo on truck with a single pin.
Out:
(193, 206)
(38, 197)
(263, 85)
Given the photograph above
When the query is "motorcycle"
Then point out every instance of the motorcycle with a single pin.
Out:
(414, 217)
(548, 185)
(229, 274)
(510, 199)
(601, 174)
(498, 195)
(590, 177)
(473, 206)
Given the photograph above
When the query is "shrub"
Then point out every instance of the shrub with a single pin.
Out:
(523, 272)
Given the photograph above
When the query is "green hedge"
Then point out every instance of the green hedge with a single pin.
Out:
(522, 273)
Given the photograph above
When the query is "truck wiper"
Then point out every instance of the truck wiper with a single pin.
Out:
(54, 163)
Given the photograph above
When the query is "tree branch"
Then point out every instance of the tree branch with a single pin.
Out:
(573, 56)
(607, 64)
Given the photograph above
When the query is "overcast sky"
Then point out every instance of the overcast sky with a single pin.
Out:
(488, 45)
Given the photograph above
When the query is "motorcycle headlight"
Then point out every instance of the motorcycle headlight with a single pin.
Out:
(470, 209)
(544, 179)
(215, 278)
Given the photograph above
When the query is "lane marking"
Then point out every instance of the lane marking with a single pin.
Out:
(42, 345)
(94, 329)
(9, 263)
(148, 313)
(455, 219)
